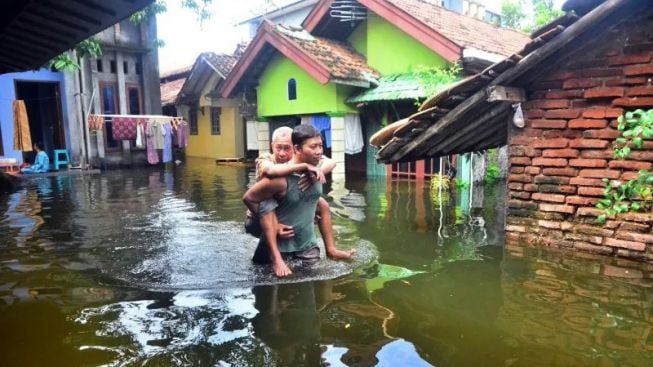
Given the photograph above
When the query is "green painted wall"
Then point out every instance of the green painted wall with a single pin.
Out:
(390, 50)
(312, 97)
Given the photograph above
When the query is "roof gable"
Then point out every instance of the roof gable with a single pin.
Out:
(443, 31)
(206, 65)
(323, 59)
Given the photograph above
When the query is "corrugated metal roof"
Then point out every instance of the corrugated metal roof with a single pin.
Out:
(394, 87)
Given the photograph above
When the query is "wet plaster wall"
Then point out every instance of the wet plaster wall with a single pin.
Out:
(558, 160)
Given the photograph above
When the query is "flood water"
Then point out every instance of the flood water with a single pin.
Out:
(151, 267)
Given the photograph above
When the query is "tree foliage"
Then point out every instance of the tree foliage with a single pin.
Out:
(515, 14)
(636, 194)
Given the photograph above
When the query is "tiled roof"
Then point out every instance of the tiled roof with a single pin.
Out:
(170, 90)
(222, 62)
(342, 61)
(175, 72)
(463, 30)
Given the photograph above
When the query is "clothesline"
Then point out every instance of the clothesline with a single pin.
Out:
(137, 116)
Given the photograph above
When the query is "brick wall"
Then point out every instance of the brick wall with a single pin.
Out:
(558, 159)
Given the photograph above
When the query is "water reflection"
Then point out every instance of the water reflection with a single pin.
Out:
(151, 268)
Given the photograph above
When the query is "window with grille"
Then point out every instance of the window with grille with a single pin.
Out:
(215, 120)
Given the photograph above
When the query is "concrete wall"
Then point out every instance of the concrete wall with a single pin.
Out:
(8, 95)
(558, 160)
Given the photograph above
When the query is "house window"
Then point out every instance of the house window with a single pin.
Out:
(100, 66)
(215, 120)
(292, 89)
(134, 100)
(125, 67)
(109, 102)
(139, 68)
(112, 66)
(192, 120)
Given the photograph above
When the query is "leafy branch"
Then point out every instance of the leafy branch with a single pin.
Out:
(637, 194)
(432, 79)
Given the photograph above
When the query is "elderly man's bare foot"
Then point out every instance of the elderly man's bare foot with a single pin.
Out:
(341, 254)
(281, 269)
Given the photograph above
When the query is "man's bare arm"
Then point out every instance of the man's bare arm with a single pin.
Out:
(327, 164)
(264, 189)
(282, 170)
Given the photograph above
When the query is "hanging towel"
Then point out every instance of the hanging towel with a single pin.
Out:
(124, 128)
(22, 136)
(323, 125)
(140, 135)
(167, 143)
(182, 134)
(252, 136)
(353, 134)
(156, 132)
(95, 122)
(152, 154)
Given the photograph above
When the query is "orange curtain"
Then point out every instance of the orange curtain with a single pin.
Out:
(22, 136)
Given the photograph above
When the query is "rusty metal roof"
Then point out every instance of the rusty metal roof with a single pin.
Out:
(34, 31)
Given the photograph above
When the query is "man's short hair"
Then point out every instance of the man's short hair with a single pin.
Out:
(303, 132)
(281, 133)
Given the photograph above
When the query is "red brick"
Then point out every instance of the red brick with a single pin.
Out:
(601, 154)
(569, 113)
(530, 187)
(515, 186)
(634, 227)
(629, 175)
(582, 201)
(557, 189)
(602, 134)
(532, 170)
(589, 212)
(639, 217)
(517, 169)
(641, 58)
(520, 161)
(549, 224)
(520, 195)
(587, 124)
(514, 228)
(550, 143)
(642, 155)
(604, 92)
(594, 113)
(613, 113)
(582, 181)
(521, 204)
(580, 83)
(519, 140)
(646, 69)
(560, 153)
(584, 238)
(520, 178)
(551, 180)
(559, 94)
(567, 171)
(552, 134)
(588, 247)
(631, 245)
(588, 143)
(548, 124)
(553, 198)
(599, 72)
(547, 104)
(591, 191)
(637, 80)
(631, 165)
(592, 163)
(533, 113)
(637, 237)
(557, 208)
(631, 102)
(599, 173)
(646, 90)
(550, 162)
(593, 230)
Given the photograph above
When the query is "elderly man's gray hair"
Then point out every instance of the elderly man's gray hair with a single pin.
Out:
(284, 132)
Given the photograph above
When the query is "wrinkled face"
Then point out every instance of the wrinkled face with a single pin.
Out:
(311, 151)
(282, 149)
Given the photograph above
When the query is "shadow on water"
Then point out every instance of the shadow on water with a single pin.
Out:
(152, 268)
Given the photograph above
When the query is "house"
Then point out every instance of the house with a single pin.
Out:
(320, 73)
(53, 100)
(576, 77)
(217, 128)
(171, 83)
(291, 14)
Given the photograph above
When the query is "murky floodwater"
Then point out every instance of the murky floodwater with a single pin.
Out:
(151, 268)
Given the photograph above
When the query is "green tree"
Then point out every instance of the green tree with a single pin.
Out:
(515, 16)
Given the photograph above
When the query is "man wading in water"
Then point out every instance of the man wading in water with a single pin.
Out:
(296, 207)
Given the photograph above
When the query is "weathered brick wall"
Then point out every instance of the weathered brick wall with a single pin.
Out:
(558, 159)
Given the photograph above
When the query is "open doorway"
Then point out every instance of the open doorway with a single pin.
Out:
(43, 104)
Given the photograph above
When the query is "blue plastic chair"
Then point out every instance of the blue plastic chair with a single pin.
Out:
(61, 158)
